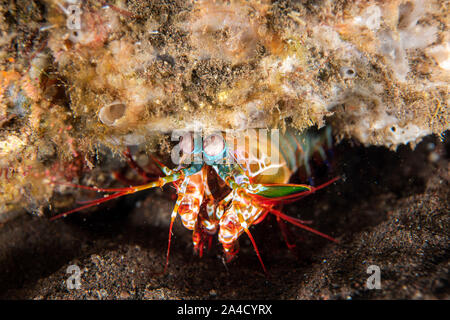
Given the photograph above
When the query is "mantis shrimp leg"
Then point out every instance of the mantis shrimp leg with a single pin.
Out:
(119, 192)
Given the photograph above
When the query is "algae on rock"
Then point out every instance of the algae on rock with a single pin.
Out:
(378, 71)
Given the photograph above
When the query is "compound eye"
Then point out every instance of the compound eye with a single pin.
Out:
(214, 145)
(187, 143)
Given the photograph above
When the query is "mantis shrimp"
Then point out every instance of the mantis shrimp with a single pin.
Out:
(255, 171)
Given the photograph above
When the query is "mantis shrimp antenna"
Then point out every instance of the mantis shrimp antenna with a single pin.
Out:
(173, 217)
(296, 222)
(90, 203)
(119, 192)
(256, 250)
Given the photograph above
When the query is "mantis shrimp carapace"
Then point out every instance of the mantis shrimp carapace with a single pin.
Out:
(255, 169)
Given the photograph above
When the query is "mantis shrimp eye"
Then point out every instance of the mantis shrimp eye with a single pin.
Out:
(190, 143)
(187, 143)
(214, 146)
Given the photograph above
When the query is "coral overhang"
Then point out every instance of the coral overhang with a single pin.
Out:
(115, 74)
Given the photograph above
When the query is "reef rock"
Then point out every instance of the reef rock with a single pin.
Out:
(77, 75)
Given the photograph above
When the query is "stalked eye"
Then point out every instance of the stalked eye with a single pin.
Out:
(187, 143)
(214, 146)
